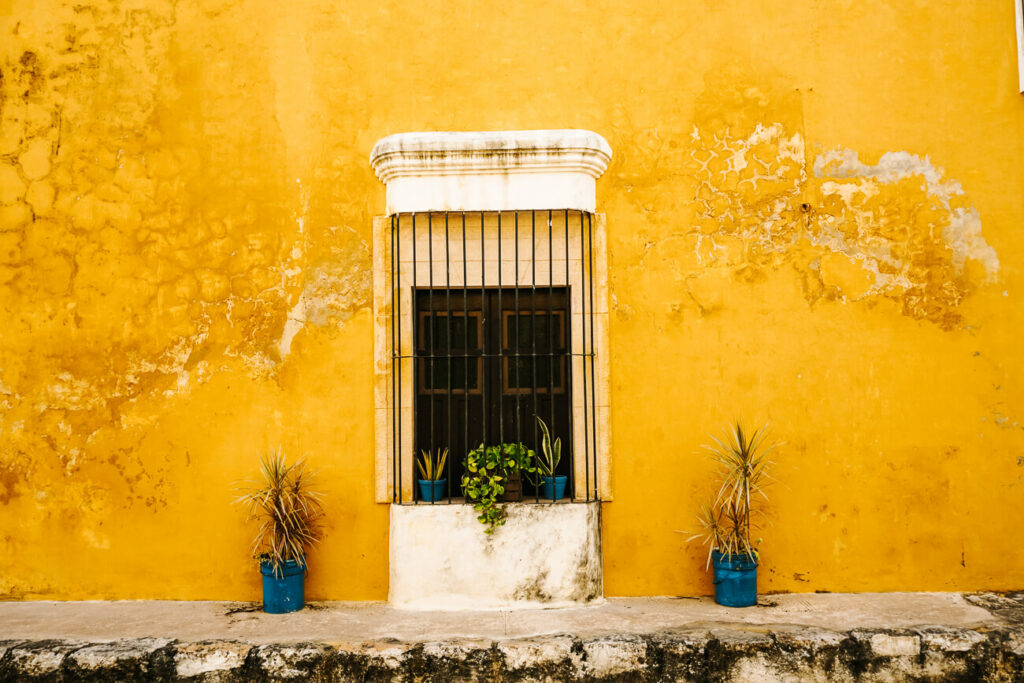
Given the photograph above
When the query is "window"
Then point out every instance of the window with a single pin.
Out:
(534, 350)
(491, 322)
(475, 220)
(449, 344)
(488, 361)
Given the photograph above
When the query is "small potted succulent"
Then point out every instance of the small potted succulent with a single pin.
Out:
(288, 512)
(431, 468)
(728, 521)
(489, 472)
(552, 486)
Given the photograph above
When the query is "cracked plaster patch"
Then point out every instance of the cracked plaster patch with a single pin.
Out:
(334, 289)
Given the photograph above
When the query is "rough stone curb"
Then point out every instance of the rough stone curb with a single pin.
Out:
(712, 653)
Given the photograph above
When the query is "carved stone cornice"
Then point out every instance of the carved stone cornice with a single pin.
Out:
(495, 170)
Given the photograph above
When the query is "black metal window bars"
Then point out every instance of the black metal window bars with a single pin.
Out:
(497, 330)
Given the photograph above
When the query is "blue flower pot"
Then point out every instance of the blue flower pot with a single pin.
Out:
(285, 592)
(735, 579)
(552, 488)
(432, 490)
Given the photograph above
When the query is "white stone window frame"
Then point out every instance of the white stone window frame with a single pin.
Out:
(1019, 7)
(487, 172)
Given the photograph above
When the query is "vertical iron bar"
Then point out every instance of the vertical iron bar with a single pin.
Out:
(448, 336)
(583, 361)
(533, 325)
(394, 430)
(593, 349)
(432, 362)
(568, 350)
(465, 348)
(551, 328)
(401, 357)
(483, 333)
(501, 345)
(515, 354)
(413, 357)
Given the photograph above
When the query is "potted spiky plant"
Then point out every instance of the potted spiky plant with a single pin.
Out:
(552, 486)
(288, 512)
(431, 481)
(728, 521)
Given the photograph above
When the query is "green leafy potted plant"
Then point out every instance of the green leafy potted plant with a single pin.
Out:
(489, 469)
(288, 512)
(431, 467)
(552, 486)
(728, 520)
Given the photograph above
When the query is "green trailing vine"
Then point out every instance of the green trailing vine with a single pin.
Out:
(487, 471)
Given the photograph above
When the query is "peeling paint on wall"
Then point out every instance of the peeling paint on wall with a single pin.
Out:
(962, 226)
(335, 287)
(899, 230)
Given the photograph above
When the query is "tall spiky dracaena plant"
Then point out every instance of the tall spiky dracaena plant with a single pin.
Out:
(287, 509)
(728, 520)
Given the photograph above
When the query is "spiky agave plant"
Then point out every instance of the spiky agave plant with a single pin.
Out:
(728, 521)
(287, 509)
(431, 466)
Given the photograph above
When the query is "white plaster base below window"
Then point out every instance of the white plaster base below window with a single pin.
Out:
(546, 555)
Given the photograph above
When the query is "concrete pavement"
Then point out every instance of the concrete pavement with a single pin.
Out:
(888, 636)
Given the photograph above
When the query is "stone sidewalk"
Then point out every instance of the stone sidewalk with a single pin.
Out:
(826, 637)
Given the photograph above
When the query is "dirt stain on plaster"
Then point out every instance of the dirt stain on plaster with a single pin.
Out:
(12, 478)
(533, 589)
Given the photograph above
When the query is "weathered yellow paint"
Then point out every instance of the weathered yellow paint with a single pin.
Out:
(813, 217)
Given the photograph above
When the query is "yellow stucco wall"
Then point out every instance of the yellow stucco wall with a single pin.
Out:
(814, 218)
